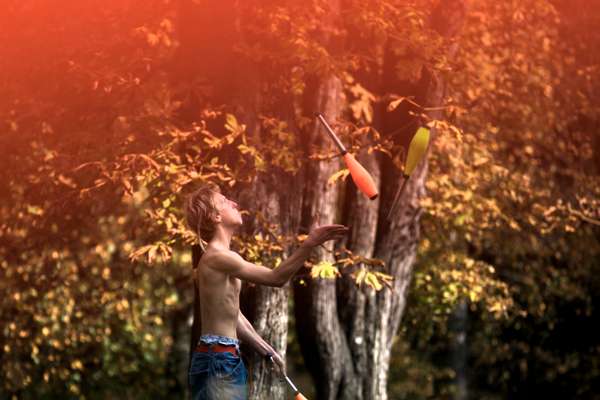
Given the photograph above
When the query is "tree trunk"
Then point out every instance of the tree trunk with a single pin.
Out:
(320, 333)
(348, 349)
(360, 304)
(210, 31)
(265, 307)
(459, 327)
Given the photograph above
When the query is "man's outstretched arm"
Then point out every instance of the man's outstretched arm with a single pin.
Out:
(247, 334)
(233, 264)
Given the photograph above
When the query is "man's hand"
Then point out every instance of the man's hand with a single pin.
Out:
(324, 233)
(279, 363)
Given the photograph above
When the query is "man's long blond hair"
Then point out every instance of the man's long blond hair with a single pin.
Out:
(201, 212)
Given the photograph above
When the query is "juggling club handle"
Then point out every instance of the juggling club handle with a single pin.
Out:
(332, 134)
(397, 197)
(294, 388)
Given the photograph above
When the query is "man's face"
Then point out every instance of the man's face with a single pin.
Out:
(228, 209)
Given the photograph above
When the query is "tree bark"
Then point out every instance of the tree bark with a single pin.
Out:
(360, 304)
(319, 330)
(265, 307)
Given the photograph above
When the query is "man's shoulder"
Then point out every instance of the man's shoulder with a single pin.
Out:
(215, 258)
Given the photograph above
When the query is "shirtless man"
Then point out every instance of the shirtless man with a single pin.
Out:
(216, 369)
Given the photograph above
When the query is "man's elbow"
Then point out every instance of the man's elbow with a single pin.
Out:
(281, 284)
(279, 281)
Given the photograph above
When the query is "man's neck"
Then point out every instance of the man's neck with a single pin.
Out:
(221, 239)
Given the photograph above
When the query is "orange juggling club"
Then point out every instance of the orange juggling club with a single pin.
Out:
(361, 177)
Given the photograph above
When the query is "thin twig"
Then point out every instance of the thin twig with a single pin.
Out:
(582, 215)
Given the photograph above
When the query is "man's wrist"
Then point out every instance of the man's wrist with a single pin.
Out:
(306, 245)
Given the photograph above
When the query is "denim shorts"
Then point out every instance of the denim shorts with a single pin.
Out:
(218, 376)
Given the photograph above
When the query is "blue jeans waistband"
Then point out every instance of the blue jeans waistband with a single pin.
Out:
(217, 339)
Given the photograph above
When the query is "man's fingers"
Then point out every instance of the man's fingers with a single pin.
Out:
(281, 366)
(340, 230)
(335, 226)
(340, 234)
(278, 364)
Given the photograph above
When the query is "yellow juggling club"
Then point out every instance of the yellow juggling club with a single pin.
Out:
(361, 177)
(416, 151)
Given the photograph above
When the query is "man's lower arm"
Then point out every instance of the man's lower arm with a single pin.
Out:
(288, 268)
(248, 334)
(257, 343)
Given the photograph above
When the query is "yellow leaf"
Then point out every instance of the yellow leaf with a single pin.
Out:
(360, 276)
(67, 181)
(232, 125)
(152, 253)
(325, 270)
(341, 174)
(372, 281)
(139, 252)
(394, 104)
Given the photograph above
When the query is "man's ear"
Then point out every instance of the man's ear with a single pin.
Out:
(217, 218)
